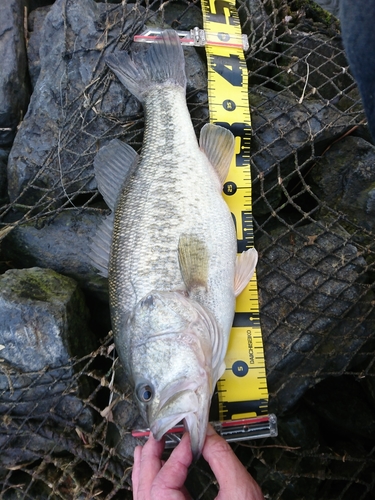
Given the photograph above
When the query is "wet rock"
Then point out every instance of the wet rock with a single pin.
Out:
(314, 307)
(14, 92)
(61, 245)
(344, 178)
(77, 104)
(43, 325)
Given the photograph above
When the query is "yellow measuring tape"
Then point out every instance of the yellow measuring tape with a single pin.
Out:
(242, 391)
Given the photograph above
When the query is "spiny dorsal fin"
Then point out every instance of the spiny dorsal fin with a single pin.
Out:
(218, 145)
(193, 259)
(100, 245)
(113, 164)
(245, 267)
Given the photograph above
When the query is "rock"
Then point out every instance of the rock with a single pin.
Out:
(43, 325)
(14, 91)
(4, 153)
(314, 57)
(61, 245)
(329, 400)
(77, 104)
(281, 128)
(344, 179)
(256, 23)
(54, 311)
(315, 307)
(331, 6)
(310, 460)
(35, 26)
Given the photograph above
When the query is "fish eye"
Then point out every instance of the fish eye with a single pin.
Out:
(144, 393)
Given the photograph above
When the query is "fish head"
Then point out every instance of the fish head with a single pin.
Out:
(170, 362)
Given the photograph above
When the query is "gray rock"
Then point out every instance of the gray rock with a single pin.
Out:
(281, 128)
(35, 26)
(314, 308)
(43, 319)
(344, 179)
(77, 104)
(61, 245)
(14, 92)
(68, 112)
(312, 65)
(43, 325)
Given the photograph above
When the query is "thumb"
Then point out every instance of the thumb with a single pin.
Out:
(233, 478)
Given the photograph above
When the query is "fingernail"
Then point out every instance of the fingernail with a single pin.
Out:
(210, 430)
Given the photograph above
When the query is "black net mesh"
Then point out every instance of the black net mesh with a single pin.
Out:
(65, 432)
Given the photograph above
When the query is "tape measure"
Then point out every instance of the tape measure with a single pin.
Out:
(242, 391)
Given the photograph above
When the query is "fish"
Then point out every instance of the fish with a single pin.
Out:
(169, 246)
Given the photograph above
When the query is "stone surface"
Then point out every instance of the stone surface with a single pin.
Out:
(4, 153)
(315, 308)
(43, 325)
(61, 245)
(35, 29)
(14, 91)
(281, 128)
(43, 319)
(344, 179)
(77, 104)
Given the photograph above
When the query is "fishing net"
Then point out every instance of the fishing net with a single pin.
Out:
(65, 432)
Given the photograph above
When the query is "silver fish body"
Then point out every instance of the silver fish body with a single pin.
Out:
(172, 267)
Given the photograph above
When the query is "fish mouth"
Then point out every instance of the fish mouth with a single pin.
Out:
(190, 407)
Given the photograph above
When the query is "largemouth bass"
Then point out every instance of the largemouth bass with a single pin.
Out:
(169, 247)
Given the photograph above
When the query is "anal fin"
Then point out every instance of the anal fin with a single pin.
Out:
(193, 259)
(245, 267)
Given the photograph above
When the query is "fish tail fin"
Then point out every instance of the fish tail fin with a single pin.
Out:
(162, 64)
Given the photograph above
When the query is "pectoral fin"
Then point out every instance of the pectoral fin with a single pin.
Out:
(245, 267)
(193, 259)
(218, 145)
(113, 164)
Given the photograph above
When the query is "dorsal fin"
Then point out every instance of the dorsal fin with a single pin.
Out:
(113, 164)
(218, 145)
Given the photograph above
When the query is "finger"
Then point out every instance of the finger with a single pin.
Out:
(149, 466)
(136, 467)
(173, 475)
(230, 473)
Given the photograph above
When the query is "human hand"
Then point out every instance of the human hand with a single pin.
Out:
(233, 479)
(155, 480)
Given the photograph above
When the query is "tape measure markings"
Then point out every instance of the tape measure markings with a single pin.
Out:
(243, 388)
